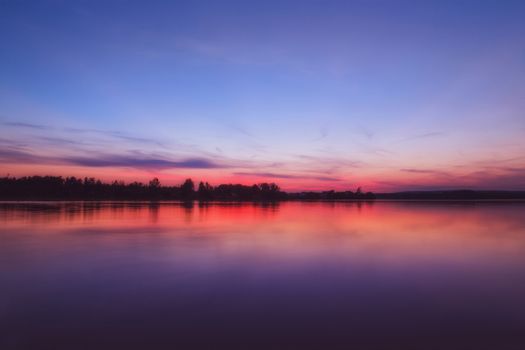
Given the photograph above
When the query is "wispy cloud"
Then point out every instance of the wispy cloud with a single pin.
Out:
(424, 171)
(423, 136)
(323, 133)
(117, 134)
(330, 161)
(26, 125)
(491, 162)
(17, 156)
(287, 176)
(108, 133)
(142, 163)
(59, 141)
(365, 132)
(111, 160)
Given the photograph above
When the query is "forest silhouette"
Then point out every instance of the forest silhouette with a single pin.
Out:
(88, 188)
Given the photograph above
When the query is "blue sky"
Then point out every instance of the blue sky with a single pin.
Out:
(310, 94)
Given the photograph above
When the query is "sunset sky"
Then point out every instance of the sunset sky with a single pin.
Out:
(387, 95)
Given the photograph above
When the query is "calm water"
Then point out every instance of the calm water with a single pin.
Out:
(286, 276)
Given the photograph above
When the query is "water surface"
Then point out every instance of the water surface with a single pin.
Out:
(84, 275)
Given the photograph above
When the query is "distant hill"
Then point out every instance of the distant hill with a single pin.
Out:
(453, 195)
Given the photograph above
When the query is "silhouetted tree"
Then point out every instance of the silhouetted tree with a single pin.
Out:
(154, 183)
(205, 191)
(187, 189)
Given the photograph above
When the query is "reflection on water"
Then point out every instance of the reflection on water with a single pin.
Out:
(93, 275)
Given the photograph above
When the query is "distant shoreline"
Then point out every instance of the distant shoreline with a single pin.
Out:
(57, 188)
(204, 201)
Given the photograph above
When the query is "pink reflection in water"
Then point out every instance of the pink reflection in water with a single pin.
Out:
(299, 275)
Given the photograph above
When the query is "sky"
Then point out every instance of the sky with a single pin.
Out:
(313, 95)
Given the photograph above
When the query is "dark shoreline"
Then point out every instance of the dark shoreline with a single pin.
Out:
(218, 201)
(57, 188)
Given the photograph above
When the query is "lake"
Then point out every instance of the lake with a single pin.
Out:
(291, 275)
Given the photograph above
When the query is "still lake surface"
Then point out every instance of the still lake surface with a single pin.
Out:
(384, 275)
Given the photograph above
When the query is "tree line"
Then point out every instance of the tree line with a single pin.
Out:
(88, 188)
